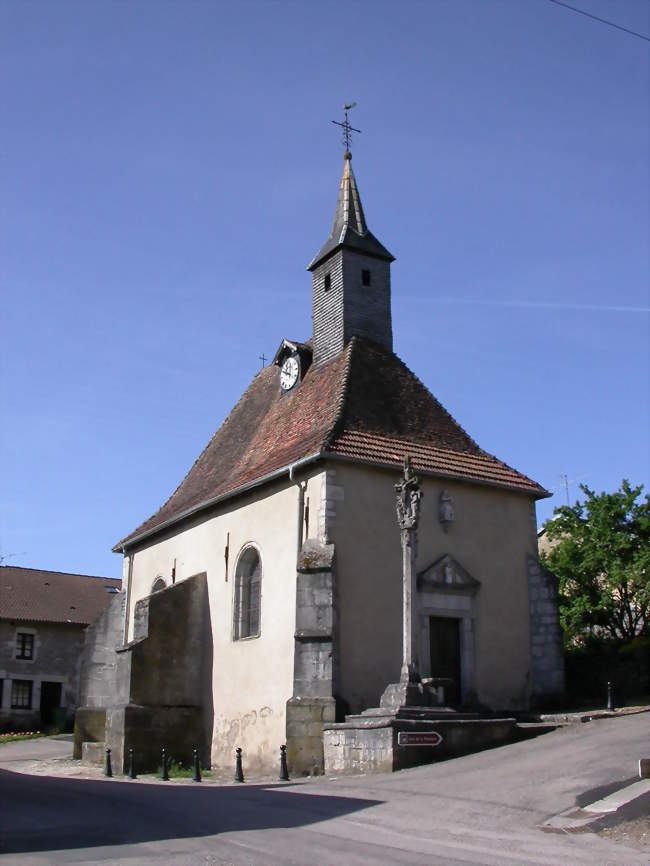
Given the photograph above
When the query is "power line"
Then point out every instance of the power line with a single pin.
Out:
(602, 20)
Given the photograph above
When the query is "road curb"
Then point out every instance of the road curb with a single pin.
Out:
(589, 716)
(579, 819)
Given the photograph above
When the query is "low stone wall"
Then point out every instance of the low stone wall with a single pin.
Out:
(93, 753)
(305, 720)
(372, 746)
(148, 729)
(89, 727)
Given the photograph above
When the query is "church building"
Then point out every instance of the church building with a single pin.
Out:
(264, 598)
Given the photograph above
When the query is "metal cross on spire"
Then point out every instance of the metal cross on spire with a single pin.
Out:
(347, 129)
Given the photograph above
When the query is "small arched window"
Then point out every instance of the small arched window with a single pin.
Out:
(158, 584)
(248, 579)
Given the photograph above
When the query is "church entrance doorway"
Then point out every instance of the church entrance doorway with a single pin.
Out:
(444, 643)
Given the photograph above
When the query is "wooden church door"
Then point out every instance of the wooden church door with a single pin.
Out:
(444, 640)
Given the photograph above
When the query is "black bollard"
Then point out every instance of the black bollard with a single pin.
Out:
(610, 698)
(239, 772)
(284, 770)
(108, 769)
(131, 774)
(164, 775)
(196, 772)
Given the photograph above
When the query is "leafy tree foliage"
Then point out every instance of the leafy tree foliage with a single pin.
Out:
(600, 553)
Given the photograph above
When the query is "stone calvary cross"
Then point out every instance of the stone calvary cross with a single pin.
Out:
(408, 692)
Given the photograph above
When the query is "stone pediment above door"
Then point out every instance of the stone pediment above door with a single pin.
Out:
(446, 574)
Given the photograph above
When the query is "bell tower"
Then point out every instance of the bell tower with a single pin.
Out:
(350, 276)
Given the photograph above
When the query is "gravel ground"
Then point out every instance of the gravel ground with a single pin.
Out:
(630, 825)
(634, 833)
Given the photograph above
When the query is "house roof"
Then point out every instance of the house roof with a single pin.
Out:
(32, 594)
(364, 405)
(349, 227)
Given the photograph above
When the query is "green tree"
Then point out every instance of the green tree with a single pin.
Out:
(600, 552)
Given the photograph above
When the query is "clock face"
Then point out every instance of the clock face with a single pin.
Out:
(289, 373)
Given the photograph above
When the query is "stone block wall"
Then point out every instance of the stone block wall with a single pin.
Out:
(547, 659)
(89, 727)
(367, 746)
(312, 704)
(56, 659)
(99, 661)
(147, 730)
(168, 652)
(306, 718)
(157, 690)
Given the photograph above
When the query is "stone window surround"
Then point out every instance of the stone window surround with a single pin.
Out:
(6, 678)
(158, 585)
(26, 631)
(237, 606)
(18, 694)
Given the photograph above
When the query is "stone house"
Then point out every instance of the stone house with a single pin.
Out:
(43, 615)
(264, 597)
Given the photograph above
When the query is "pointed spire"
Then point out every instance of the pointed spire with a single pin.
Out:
(348, 203)
(349, 227)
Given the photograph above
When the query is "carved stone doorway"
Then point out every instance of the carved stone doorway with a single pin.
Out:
(447, 601)
(444, 646)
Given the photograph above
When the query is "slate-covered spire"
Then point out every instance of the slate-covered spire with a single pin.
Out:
(349, 227)
(350, 278)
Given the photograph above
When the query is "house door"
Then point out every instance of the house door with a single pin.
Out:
(444, 640)
(50, 701)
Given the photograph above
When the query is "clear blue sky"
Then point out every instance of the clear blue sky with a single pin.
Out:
(169, 168)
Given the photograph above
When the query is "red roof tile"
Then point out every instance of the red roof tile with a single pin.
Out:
(267, 430)
(481, 467)
(364, 404)
(53, 596)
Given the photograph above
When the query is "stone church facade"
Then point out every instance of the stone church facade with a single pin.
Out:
(264, 598)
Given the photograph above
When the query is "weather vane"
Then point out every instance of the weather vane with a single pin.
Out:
(347, 129)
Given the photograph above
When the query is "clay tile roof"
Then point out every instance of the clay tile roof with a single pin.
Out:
(389, 413)
(53, 596)
(267, 430)
(364, 405)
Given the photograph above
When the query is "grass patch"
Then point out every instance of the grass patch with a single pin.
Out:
(179, 770)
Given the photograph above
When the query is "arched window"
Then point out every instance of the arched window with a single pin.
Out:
(248, 578)
(158, 584)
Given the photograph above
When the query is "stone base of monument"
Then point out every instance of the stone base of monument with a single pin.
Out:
(382, 740)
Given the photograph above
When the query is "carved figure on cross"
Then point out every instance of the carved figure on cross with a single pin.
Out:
(407, 498)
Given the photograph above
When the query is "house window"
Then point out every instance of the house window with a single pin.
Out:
(365, 277)
(24, 645)
(21, 694)
(248, 578)
(327, 282)
(158, 584)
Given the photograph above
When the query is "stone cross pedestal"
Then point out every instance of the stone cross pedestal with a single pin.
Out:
(408, 691)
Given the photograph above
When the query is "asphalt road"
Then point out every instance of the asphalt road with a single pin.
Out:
(481, 809)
